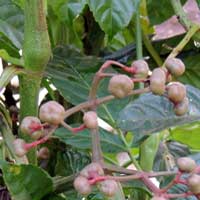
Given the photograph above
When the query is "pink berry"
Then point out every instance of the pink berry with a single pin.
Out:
(90, 120)
(52, 112)
(19, 147)
(120, 86)
(82, 186)
(141, 68)
(32, 126)
(186, 164)
(108, 187)
(92, 170)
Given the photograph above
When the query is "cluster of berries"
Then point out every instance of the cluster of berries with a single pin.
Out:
(121, 85)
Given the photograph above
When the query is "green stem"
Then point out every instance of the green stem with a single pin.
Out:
(134, 161)
(184, 41)
(152, 50)
(36, 53)
(139, 52)
(29, 91)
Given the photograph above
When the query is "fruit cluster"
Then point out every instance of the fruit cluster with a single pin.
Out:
(89, 176)
(51, 113)
(188, 175)
(121, 85)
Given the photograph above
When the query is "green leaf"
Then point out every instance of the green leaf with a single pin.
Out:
(8, 74)
(26, 182)
(71, 162)
(11, 22)
(110, 143)
(156, 12)
(150, 114)
(187, 134)
(112, 15)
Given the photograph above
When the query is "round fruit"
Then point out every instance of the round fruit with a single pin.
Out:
(157, 81)
(120, 86)
(175, 66)
(158, 198)
(31, 126)
(19, 147)
(176, 92)
(108, 187)
(141, 68)
(52, 112)
(82, 185)
(92, 170)
(194, 183)
(43, 153)
(90, 120)
(182, 107)
(186, 164)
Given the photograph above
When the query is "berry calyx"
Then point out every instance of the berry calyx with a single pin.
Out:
(186, 164)
(108, 187)
(182, 107)
(90, 120)
(43, 153)
(82, 186)
(52, 112)
(157, 81)
(19, 146)
(120, 86)
(141, 68)
(176, 92)
(175, 66)
(32, 127)
(92, 170)
(194, 183)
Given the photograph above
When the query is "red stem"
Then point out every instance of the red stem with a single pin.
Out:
(28, 146)
(80, 128)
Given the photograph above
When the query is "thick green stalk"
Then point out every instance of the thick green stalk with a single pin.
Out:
(36, 53)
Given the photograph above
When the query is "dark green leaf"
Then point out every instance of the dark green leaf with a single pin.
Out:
(150, 113)
(26, 182)
(191, 75)
(71, 162)
(112, 16)
(109, 142)
(11, 22)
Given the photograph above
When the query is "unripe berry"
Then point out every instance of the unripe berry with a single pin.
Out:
(108, 187)
(31, 126)
(90, 120)
(157, 81)
(82, 185)
(158, 198)
(176, 92)
(120, 86)
(52, 112)
(175, 66)
(186, 164)
(182, 107)
(43, 153)
(141, 68)
(194, 183)
(92, 170)
(19, 147)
